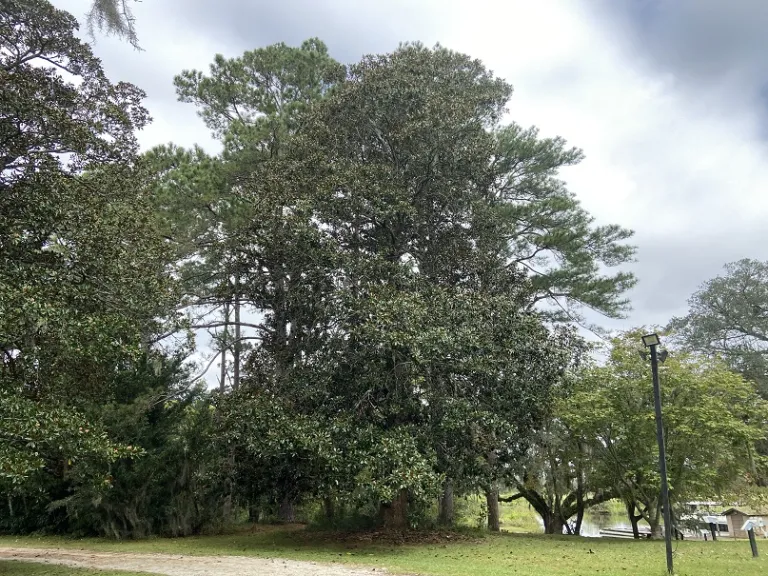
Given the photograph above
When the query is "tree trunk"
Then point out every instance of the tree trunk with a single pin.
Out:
(541, 507)
(226, 513)
(280, 350)
(287, 512)
(223, 374)
(329, 507)
(579, 521)
(657, 530)
(229, 488)
(223, 345)
(632, 518)
(394, 515)
(557, 519)
(445, 517)
(146, 342)
(236, 346)
(492, 499)
(253, 513)
(553, 524)
(654, 520)
(580, 507)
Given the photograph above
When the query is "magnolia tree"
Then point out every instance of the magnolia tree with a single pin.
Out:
(82, 269)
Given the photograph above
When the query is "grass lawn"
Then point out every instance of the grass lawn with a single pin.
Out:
(11, 568)
(452, 554)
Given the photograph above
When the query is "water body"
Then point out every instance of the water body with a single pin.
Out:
(594, 523)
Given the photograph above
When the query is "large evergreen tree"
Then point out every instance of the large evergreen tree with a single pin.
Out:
(83, 281)
(234, 250)
(377, 231)
(427, 317)
(394, 188)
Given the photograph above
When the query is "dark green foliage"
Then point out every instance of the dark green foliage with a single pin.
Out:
(252, 103)
(174, 488)
(277, 453)
(420, 322)
(728, 317)
(82, 274)
(171, 486)
(384, 232)
(389, 268)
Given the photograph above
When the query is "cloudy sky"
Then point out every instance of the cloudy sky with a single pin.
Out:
(669, 101)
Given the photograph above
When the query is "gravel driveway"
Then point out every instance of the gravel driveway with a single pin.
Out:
(178, 565)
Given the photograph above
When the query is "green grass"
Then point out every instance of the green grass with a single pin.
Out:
(453, 555)
(10, 567)
(518, 516)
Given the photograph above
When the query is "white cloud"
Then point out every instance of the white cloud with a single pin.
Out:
(682, 167)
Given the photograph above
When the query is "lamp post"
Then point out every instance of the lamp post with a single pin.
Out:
(652, 341)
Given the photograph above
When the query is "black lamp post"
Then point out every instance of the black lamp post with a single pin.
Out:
(652, 341)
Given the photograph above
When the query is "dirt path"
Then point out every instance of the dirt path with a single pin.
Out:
(178, 565)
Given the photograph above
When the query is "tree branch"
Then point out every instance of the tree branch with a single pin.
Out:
(511, 498)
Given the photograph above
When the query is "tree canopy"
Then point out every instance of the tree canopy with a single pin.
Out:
(728, 317)
(391, 275)
(712, 419)
(82, 272)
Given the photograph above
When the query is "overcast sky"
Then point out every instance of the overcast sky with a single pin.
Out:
(668, 100)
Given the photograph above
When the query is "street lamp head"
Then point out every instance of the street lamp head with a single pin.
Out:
(651, 340)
